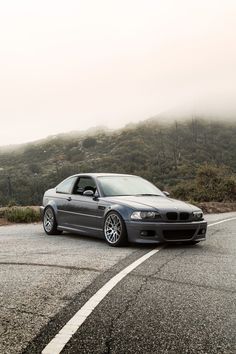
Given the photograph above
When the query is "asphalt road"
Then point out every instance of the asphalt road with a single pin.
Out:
(181, 300)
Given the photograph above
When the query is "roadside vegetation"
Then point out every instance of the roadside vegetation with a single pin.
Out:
(194, 160)
(17, 214)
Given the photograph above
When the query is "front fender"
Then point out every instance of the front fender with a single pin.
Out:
(123, 211)
(50, 203)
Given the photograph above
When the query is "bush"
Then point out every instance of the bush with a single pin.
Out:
(22, 214)
(89, 142)
(212, 184)
(184, 190)
(215, 184)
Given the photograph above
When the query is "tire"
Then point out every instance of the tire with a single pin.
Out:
(49, 222)
(114, 230)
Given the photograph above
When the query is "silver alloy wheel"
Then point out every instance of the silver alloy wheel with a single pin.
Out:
(48, 220)
(113, 228)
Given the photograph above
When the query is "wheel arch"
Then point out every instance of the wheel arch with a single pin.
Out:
(123, 238)
(120, 209)
(53, 205)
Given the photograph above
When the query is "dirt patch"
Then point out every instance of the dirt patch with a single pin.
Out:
(217, 207)
(4, 222)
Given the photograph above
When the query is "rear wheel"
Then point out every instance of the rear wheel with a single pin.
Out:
(49, 222)
(114, 229)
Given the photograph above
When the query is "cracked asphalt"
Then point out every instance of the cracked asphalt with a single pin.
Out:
(181, 300)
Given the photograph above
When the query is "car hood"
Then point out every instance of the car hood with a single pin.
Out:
(152, 202)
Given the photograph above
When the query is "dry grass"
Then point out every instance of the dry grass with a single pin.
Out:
(17, 214)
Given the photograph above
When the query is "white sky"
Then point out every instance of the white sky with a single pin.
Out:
(69, 65)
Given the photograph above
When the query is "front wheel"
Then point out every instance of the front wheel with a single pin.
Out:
(49, 222)
(114, 229)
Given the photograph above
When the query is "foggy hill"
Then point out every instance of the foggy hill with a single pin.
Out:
(166, 154)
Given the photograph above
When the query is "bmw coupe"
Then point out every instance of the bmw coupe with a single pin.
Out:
(120, 208)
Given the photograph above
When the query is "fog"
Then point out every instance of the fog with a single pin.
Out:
(72, 65)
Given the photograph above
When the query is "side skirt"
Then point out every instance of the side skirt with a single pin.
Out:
(83, 231)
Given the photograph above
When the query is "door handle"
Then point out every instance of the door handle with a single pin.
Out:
(69, 199)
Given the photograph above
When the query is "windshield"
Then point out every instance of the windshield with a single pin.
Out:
(127, 185)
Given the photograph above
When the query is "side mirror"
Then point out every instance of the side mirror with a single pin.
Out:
(88, 193)
(96, 195)
(167, 194)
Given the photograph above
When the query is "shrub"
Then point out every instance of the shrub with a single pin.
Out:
(184, 190)
(22, 214)
(211, 184)
(215, 184)
(89, 142)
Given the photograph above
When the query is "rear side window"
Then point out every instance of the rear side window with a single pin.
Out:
(66, 185)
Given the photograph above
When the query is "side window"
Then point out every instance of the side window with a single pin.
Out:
(66, 185)
(84, 184)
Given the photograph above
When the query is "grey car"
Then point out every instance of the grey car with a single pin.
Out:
(120, 208)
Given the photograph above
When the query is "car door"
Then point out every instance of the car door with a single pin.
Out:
(62, 197)
(86, 213)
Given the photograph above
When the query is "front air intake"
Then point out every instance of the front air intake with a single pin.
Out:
(175, 235)
(183, 216)
(172, 216)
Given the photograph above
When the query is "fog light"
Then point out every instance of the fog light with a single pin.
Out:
(147, 233)
(202, 231)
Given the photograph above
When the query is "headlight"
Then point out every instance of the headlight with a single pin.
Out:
(197, 215)
(140, 215)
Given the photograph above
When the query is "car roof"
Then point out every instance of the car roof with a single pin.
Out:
(103, 174)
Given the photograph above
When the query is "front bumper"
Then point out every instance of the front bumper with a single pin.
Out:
(158, 232)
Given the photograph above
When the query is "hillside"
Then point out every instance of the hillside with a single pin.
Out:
(195, 159)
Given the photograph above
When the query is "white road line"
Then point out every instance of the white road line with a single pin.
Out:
(62, 338)
(220, 222)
